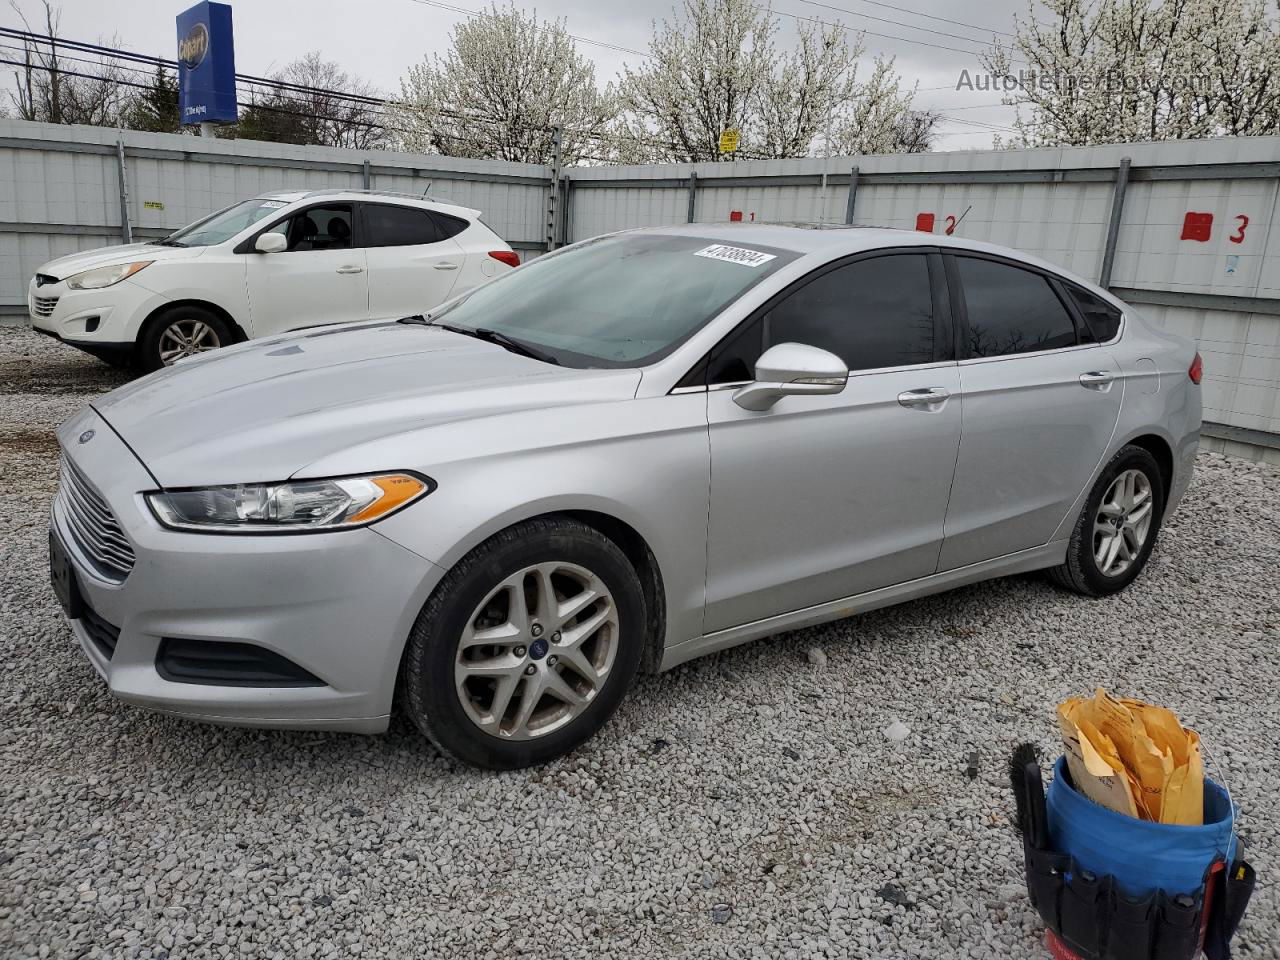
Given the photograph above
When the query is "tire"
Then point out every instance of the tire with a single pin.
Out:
(453, 682)
(156, 347)
(1083, 571)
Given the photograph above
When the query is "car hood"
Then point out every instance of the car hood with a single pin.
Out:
(264, 410)
(75, 263)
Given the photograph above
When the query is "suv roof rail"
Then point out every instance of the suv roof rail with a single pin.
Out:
(329, 191)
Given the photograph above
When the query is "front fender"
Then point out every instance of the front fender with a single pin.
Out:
(647, 466)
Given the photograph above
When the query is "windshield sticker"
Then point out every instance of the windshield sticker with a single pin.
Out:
(739, 255)
(273, 204)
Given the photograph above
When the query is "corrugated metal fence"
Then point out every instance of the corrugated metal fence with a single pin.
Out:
(1185, 230)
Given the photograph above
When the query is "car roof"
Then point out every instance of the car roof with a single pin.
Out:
(835, 240)
(408, 199)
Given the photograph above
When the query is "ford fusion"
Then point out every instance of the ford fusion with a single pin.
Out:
(637, 450)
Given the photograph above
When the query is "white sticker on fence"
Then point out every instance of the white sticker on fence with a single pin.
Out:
(739, 255)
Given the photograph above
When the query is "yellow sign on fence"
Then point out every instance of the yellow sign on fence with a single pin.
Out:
(729, 141)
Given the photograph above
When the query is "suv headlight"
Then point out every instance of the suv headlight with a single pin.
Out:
(292, 507)
(100, 277)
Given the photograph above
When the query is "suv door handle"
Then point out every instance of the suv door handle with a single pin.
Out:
(351, 268)
(924, 397)
(1096, 380)
(445, 265)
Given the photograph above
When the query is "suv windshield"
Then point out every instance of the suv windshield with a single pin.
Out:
(620, 301)
(223, 225)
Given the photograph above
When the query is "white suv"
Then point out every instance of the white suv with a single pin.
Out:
(278, 262)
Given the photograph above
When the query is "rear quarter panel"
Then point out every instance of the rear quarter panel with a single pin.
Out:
(1159, 400)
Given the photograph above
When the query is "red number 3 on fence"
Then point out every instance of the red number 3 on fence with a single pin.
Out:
(1242, 221)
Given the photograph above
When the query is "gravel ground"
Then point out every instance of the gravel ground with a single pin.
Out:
(748, 804)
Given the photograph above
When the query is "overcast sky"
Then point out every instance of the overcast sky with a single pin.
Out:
(379, 39)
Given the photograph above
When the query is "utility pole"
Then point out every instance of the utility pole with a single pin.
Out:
(553, 188)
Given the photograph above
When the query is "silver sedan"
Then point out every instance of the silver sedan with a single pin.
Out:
(634, 451)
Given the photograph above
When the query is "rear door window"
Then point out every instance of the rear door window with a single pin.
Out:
(1011, 310)
(394, 226)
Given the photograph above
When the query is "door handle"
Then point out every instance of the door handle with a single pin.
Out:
(351, 268)
(924, 397)
(445, 265)
(1096, 380)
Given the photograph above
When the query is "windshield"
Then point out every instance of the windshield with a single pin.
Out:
(224, 224)
(620, 301)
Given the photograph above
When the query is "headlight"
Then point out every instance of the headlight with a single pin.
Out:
(291, 507)
(101, 277)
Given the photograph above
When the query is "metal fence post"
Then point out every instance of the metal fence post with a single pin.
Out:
(693, 195)
(553, 188)
(566, 209)
(126, 229)
(368, 174)
(853, 193)
(1113, 225)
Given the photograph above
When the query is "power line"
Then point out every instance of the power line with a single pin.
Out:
(886, 36)
(916, 13)
(896, 23)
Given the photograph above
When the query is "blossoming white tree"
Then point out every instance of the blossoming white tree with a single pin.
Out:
(506, 82)
(715, 68)
(1108, 71)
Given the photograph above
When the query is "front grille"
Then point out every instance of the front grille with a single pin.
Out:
(93, 526)
(102, 634)
(43, 306)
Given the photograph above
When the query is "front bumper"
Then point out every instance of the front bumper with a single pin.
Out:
(110, 316)
(340, 605)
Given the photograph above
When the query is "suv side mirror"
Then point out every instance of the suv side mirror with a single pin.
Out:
(792, 369)
(271, 243)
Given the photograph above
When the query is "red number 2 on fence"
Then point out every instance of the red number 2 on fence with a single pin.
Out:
(1242, 221)
(951, 226)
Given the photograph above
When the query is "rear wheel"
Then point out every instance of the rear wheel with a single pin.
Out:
(181, 332)
(1117, 528)
(527, 646)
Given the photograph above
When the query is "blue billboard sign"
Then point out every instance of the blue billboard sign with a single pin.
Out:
(206, 65)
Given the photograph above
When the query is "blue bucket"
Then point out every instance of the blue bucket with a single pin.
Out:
(1141, 855)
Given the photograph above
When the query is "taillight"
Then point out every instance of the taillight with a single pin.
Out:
(509, 257)
(1196, 371)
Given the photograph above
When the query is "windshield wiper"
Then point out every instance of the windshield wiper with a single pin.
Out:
(490, 336)
(418, 318)
(166, 242)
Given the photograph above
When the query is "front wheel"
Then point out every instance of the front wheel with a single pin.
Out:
(527, 646)
(181, 332)
(1117, 528)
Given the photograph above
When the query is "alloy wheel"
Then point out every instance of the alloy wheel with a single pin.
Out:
(536, 651)
(1123, 523)
(185, 338)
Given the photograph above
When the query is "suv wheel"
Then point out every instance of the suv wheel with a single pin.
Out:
(181, 332)
(1117, 528)
(527, 646)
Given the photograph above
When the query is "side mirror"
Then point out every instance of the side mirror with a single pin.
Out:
(792, 369)
(271, 243)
